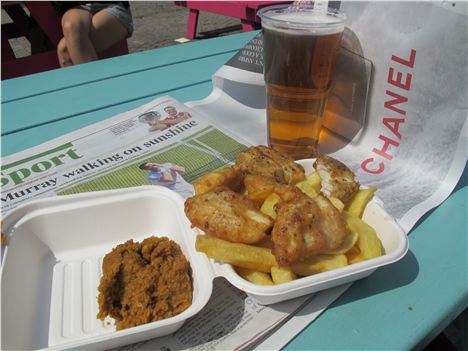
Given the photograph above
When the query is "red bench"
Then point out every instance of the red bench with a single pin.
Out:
(49, 21)
(246, 11)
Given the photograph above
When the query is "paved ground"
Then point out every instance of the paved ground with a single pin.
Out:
(158, 24)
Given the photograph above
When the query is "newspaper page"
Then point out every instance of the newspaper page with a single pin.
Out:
(162, 143)
(230, 321)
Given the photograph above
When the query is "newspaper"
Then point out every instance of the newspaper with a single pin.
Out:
(402, 128)
(244, 327)
(163, 143)
(215, 329)
(160, 143)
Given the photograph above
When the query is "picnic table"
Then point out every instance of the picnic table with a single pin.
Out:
(402, 306)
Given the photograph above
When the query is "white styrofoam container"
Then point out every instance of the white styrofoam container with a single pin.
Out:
(52, 265)
(392, 236)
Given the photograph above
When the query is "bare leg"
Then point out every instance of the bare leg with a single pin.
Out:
(106, 30)
(63, 55)
(76, 26)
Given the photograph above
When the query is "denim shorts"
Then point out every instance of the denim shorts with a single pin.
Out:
(116, 9)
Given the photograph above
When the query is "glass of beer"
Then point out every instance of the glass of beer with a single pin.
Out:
(299, 54)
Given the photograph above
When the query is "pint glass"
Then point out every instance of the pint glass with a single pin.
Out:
(300, 49)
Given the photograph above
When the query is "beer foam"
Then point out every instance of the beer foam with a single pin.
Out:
(313, 22)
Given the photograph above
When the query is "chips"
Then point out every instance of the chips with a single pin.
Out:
(268, 206)
(258, 265)
(225, 177)
(311, 185)
(337, 203)
(352, 254)
(259, 187)
(347, 245)
(240, 255)
(319, 264)
(359, 201)
(254, 276)
(369, 243)
(282, 274)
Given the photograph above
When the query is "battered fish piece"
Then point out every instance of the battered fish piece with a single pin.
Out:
(305, 227)
(229, 177)
(145, 282)
(228, 215)
(337, 179)
(261, 160)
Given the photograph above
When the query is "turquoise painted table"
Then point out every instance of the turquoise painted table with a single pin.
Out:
(399, 307)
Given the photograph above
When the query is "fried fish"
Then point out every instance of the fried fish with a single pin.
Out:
(228, 215)
(305, 226)
(337, 179)
(264, 161)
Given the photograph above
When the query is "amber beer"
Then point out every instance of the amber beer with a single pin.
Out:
(299, 63)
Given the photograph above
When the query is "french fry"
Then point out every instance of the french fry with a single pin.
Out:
(353, 255)
(319, 264)
(356, 258)
(337, 203)
(359, 202)
(369, 243)
(347, 244)
(282, 274)
(259, 187)
(241, 255)
(225, 177)
(268, 206)
(311, 185)
(259, 197)
(255, 277)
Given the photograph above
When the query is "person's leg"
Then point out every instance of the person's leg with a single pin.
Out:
(106, 30)
(76, 26)
(63, 55)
